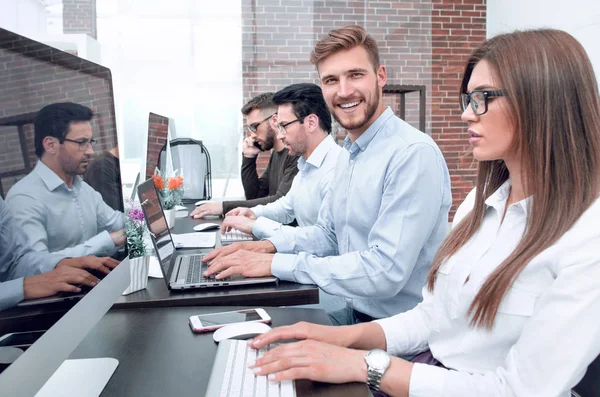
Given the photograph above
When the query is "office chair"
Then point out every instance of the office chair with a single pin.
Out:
(590, 384)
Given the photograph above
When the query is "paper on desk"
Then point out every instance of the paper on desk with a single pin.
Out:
(180, 208)
(195, 240)
(154, 270)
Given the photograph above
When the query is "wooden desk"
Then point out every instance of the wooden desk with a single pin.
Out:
(284, 293)
(160, 356)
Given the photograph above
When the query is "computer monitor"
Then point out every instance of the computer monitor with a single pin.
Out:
(158, 134)
(33, 75)
(27, 375)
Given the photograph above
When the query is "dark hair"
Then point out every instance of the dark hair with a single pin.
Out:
(306, 98)
(345, 38)
(261, 101)
(552, 100)
(54, 120)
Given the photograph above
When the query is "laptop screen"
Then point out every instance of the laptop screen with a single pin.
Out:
(157, 224)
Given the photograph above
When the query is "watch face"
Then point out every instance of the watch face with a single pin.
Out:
(378, 359)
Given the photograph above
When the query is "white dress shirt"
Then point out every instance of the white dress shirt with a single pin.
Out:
(382, 222)
(546, 332)
(304, 199)
(68, 222)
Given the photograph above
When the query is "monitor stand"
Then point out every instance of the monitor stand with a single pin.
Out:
(82, 378)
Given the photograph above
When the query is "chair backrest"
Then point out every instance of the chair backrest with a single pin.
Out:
(590, 384)
(192, 159)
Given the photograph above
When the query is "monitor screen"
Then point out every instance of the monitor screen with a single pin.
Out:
(158, 133)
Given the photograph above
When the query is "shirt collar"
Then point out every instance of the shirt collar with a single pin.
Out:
(50, 178)
(366, 137)
(497, 200)
(318, 155)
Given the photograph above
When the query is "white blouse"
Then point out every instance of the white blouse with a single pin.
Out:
(546, 332)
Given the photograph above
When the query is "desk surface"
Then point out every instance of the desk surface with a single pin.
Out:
(160, 356)
(156, 294)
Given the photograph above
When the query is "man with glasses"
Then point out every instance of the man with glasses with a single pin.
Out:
(56, 209)
(304, 127)
(277, 178)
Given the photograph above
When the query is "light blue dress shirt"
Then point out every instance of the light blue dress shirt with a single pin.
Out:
(17, 260)
(304, 199)
(384, 218)
(68, 222)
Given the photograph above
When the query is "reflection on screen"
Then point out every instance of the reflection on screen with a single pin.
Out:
(157, 224)
(228, 318)
(158, 131)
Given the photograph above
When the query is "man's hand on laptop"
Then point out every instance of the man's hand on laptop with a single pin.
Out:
(242, 211)
(206, 209)
(102, 264)
(118, 237)
(61, 279)
(240, 223)
(264, 246)
(246, 263)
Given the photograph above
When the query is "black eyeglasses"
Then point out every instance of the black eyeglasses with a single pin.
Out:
(83, 145)
(281, 127)
(252, 127)
(479, 100)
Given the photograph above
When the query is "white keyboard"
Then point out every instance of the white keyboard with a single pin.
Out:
(240, 381)
(234, 236)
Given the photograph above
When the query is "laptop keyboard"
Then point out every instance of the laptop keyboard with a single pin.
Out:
(195, 270)
(235, 235)
(240, 381)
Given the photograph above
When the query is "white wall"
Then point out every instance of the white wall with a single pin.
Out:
(581, 18)
(25, 17)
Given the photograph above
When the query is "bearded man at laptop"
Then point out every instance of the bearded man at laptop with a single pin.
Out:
(58, 211)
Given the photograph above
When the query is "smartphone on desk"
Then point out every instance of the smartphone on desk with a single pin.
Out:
(213, 321)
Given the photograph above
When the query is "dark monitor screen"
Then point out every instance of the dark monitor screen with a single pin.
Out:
(158, 132)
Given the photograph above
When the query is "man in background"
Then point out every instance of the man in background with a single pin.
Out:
(104, 175)
(277, 178)
(58, 211)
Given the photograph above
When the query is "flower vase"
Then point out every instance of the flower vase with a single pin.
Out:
(138, 270)
(170, 216)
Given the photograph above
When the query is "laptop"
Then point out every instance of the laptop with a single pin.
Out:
(180, 270)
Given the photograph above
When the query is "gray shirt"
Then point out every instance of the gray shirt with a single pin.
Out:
(68, 222)
(17, 260)
(381, 224)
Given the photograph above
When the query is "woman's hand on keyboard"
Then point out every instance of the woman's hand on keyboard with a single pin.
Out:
(334, 335)
(310, 359)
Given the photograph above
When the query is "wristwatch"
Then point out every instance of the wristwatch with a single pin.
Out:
(378, 362)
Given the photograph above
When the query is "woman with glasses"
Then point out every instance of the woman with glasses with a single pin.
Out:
(512, 298)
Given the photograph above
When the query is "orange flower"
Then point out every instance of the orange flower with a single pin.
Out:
(158, 181)
(175, 183)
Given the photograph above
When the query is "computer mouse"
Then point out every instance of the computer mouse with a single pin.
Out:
(240, 331)
(9, 354)
(206, 226)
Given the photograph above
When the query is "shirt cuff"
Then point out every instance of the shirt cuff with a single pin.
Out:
(281, 244)
(283, 266)
(265, 227)
(101, 243)
(388, 325)
(426, 381)
(258, 211)
(11, 293)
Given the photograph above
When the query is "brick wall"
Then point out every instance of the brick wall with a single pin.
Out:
(79, 16)
(458, 26)
(33, 75)
(158, 130)
(420, 43)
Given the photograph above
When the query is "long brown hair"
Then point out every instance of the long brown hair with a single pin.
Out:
(552, 99)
